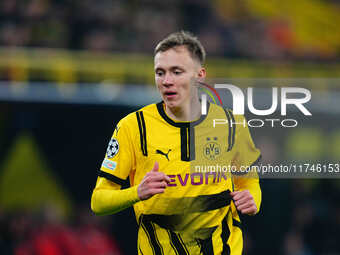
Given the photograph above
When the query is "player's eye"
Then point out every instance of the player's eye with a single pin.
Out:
(177, 72)
(159, 73)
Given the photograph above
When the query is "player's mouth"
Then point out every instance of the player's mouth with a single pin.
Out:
(170, 94)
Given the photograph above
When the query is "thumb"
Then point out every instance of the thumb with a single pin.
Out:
(155, 167)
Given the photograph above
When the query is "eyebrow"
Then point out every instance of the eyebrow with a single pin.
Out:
(171, 68)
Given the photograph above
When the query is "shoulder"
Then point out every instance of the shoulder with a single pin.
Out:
(219, 112)
(132, 118)
(213, 108)
(150, 109)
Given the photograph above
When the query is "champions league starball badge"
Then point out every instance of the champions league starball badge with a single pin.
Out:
(113, 148)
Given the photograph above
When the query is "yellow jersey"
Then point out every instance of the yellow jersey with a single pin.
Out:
(195, 214)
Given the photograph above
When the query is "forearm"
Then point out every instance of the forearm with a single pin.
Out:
(109, 201)
(255, 191)
(251, 184)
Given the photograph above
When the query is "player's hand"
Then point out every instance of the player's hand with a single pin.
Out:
(153, 183)
(244, 202)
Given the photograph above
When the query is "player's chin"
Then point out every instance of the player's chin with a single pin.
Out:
(171, 103)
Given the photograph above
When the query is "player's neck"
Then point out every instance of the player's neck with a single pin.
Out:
(189, 112)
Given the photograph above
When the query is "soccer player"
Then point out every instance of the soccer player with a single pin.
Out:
(163, 148)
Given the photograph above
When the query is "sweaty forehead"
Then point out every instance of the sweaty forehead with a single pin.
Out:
(177, 56)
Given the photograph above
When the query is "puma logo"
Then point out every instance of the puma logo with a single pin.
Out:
(163, 153)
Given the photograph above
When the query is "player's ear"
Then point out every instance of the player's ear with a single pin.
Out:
(201, 74)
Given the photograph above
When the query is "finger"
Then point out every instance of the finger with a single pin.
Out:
(156, 191)
(232, 194)
(167, 179)
(155, 167)
(159, 176)
(245, 206)
(243, 200)
(158, 185)
(237, 195)
(251, 211)
(242, 194)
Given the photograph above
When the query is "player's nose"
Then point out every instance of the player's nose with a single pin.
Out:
(168, 80)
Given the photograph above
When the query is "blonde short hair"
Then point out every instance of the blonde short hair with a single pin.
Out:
(185, 38)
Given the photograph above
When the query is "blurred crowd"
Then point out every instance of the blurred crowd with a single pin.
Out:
(46, 233)
(314, 218)
(299, 217)
(229, 28)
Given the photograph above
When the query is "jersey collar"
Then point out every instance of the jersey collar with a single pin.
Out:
(161, 112)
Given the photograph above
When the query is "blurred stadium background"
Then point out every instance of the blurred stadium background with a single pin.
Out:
(69, 70)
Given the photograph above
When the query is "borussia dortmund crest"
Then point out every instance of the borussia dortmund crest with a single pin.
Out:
(212, 150)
